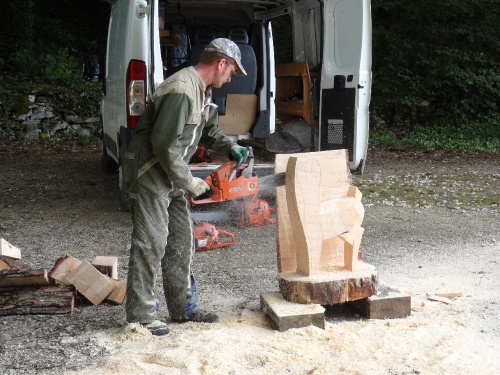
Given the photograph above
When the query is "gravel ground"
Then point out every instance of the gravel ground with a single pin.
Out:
(431, 222)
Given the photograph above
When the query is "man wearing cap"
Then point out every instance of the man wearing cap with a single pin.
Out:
(179, 116)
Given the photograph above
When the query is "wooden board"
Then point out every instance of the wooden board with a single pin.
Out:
(387, 305)
(23, 277)
(330, 288)
(240, 114)
(107, 265)
(283, 315)
(90, 282)
(117, 295)
(8, 250)
(62, 268)
(5, 265)
(52, 299)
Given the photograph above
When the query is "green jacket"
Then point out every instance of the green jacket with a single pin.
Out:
(178, 117)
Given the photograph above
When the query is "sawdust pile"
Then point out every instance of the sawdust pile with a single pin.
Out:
(436, 339)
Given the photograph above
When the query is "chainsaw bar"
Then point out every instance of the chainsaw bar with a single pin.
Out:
(271, 181)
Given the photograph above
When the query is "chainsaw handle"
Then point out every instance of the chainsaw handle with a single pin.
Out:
(235, 169)
(226, 234)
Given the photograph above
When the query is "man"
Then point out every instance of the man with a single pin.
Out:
(179, 116)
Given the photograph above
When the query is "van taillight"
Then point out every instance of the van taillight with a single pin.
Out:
(136, 92)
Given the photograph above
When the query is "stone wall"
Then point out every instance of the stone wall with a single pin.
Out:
(40, 121)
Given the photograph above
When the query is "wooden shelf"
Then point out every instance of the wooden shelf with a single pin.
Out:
(293, 91)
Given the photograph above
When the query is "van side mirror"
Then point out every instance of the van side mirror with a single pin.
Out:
(92, 69)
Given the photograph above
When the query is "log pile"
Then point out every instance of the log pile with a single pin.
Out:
(24, 290)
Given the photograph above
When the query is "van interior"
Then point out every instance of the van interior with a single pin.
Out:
(243, 104)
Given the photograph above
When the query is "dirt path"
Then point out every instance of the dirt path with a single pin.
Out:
(431, 224)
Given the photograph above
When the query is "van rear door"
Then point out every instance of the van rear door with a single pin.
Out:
(346, 78)
(334, 38)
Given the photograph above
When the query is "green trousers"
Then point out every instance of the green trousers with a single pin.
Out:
(162, 238)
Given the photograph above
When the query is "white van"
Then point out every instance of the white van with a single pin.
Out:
(319, 77)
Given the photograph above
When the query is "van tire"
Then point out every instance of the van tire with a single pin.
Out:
(108, 164)
(125, 203)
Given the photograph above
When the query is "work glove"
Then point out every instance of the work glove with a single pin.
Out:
(239, 153)
(197, 187)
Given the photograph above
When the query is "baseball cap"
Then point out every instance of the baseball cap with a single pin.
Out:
(228, 48)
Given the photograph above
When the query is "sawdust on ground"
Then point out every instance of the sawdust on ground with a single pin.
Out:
(56, 201)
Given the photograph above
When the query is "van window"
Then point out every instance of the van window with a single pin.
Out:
(348, 33)
(283, 41)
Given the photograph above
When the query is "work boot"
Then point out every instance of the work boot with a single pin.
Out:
(157, 328)
(200, 316)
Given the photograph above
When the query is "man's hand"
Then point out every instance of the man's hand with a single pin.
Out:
(197, 187)
(239, 153)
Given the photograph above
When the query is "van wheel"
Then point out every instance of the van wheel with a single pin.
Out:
(124, 194)
(108, 164)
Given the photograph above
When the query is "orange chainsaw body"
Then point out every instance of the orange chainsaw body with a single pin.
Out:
(223, 189)
(208, 237)
(232, 182)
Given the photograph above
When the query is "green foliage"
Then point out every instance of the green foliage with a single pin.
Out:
(436, 62)
(55, 67)
(480, 136)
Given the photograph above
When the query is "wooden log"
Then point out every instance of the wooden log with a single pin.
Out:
(8, 250)
(52, 299)
(107, 265)
(330, 288)
(283, 315)
(117, 295)
(23, 277)
(62, 268)
(90, 282)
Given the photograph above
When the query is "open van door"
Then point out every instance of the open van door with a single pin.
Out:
(346, 79)
(327, 83)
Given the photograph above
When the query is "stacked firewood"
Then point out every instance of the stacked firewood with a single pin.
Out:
(24, 290)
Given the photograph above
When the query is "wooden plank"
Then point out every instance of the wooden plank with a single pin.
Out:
(330, 288)
(239, 115)
(107, 265)
(283, 315)
(449, 294)
(23, 277)
(387, 305)
(8, 250)
(437, 298)
(117, 295)
(62, 268)
(5, 264)
(90, 282)
(52, 299)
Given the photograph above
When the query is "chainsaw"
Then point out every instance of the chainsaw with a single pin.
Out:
(208, 237)
(237, 182)
(229, 182)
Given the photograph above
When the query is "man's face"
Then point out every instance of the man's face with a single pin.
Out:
(225, 71)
